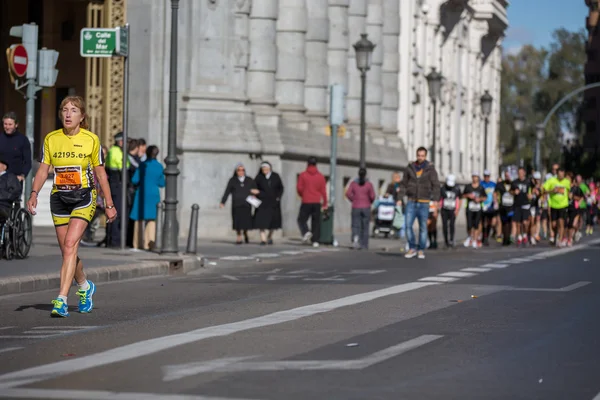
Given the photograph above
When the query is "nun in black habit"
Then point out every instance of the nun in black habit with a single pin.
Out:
(240, 187)
(268, 214)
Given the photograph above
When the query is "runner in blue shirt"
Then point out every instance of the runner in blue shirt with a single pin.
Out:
(490, 206)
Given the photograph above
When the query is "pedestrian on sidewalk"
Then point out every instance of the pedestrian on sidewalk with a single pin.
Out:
(267, 217)
(421, 186)
(15, 146)
(114, 168)
(242, 189)
(148, 178)
(311, 188)
(73, 198)
(362, 195)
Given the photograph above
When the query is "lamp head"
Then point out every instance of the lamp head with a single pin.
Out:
(364, 51)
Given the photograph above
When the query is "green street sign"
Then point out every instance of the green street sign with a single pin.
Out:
(122, 47)
(98, 42)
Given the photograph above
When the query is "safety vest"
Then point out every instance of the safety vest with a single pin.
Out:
(114, 159)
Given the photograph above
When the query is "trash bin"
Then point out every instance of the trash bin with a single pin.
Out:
(327, 227)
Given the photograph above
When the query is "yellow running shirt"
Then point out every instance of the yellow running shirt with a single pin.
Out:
(73, 159)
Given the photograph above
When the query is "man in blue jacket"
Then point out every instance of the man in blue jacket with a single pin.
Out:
(16, 148)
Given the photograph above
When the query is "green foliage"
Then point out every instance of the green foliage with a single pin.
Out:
(533, 81)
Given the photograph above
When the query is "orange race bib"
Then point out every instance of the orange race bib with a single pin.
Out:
(67, 178)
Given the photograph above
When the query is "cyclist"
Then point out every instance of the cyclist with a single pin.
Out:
(76, 156)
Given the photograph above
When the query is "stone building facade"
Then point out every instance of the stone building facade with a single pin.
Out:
(462, 40)
(254, 78)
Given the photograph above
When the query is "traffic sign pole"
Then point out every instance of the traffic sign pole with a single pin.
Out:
(123, 50)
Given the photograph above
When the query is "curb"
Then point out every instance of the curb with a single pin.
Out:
(35, 283)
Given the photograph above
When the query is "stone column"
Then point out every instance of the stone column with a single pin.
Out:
(337, 56)
(291, 63)
(317, 70)
(390, 68)
(357, 18)
(263, 61)
(242, 31)
(374, 88)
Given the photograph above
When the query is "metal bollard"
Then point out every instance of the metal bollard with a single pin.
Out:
(192, 244)
(159, 227)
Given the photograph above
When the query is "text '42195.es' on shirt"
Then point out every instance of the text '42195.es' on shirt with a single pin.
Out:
(73, 158)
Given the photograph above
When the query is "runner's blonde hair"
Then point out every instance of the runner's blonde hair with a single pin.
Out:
(78, 102)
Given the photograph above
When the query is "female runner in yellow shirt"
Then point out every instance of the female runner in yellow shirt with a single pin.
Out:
(76, 155)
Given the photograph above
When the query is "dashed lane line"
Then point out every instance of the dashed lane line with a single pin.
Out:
(476, 269)
(458, 274)
(438, 279)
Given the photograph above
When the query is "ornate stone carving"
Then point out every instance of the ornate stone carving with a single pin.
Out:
(114, 14)
(94, 77)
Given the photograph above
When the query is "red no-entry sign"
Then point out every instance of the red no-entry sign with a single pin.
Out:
(18, 60)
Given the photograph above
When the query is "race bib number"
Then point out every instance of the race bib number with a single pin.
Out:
(526, 207)
(473, 206)
(533, 211)
(508, 200)
(449, 204)
(67, 178)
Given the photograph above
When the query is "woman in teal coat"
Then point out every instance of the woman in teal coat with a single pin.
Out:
(148, 178)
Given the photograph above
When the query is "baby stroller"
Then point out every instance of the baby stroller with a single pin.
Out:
(384, 211)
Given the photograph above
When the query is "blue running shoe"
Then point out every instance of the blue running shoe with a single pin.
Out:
(85, 298)
(61, 309)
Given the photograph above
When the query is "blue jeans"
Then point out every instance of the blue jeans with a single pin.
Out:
(419, 211)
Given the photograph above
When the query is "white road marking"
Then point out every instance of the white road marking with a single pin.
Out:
(597, 397)
(176, 372)
(364, 271)
(236, 258)
(7, 349)
(99, 395)
(569, 288)
(458, 274)
(314, 251)
(496, 265)
(476, 269)
(65, 327)
(153, 346)
(291, 252)
(24, 336)
(517, 260)
(231, 278)
(7, 327)
(51, 332)
(265, 255)
(437, 279)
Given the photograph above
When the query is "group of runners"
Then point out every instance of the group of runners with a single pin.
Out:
(521, 211)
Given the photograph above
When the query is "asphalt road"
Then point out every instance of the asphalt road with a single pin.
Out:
(467, 324)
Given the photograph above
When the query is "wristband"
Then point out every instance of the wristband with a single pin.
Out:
(109, 207)
(32, 192)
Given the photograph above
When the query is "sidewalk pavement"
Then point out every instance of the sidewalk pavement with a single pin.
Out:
(41, 269)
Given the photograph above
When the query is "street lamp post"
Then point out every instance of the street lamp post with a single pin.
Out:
(539, 135)
(434, 80)
(519, 124)
(364, 50)
(171, 226)
(486, 110)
